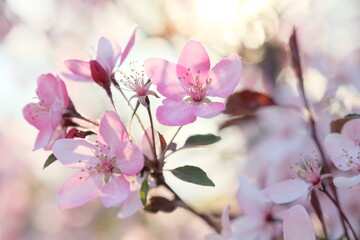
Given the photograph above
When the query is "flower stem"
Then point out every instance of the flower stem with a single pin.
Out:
(296, 62)
(152, 131)
(336, 203)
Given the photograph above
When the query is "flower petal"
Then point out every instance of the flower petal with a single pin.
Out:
(131, 205)
(75, 153)
(250, 199)
(344, 182)
(80, 69)
(225, 222)
(43, 138)
(248, 227)
(112, 131)
(175, 113)
(194, 57)
(107, 53)
(128, 47)
(34, 116)
(340, 149)
(225, 76)
(78, 190)
(297, 224)
(286, 191)
(115, 191)
(163, 74)
(51, 88)
(351, 130)
(209, 110)
(130, 159)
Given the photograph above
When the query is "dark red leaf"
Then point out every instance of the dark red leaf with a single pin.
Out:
(160, 204)
(237, 121)
(246, 102)
(295, 56)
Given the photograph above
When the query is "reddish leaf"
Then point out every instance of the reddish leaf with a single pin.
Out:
(237, 121)
(246, 102)
(338, 124)
(163, 143)
(99, 74)
(160, 204)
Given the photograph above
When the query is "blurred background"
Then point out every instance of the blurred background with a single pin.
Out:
(36, 36)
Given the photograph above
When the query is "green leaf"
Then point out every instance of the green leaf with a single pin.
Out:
(49, 160)
(353, 115)
(144, 191)
(201, 140)
(192, 174)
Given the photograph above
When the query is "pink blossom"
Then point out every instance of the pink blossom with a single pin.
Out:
(297, 224)
(109, 57)
(261, 219)
(47, 114)
(289, 190)
(105, 166)
(136, 83)
(188, 84)
(344, 152)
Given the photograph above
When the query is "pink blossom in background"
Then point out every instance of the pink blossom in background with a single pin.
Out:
(344, 152)
(108, 58)
(260, 219)
(309, 176)
(105, 165)
(47, 114)
(297, 224)
(188, 84)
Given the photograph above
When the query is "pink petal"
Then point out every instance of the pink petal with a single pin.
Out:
(112, 131)
(195, 57)
(225, 76)
(340, 149)
(115, 191)
(131, 205)
(128, 47)
(56, 114)
(351, 130)
(344, 182)
(78, 190)
(163, 74)
(176, 113)
(297, 224)
(248, 227)
(250, 199)
(43, 138)
(34, 116)
(75, 153)
(80, 69)
(51, 88)
(130, 159)
(225, 222)
(107, 53)
(286, 191)
(209, 110)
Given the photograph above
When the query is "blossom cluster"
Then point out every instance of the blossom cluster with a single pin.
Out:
(287, 192)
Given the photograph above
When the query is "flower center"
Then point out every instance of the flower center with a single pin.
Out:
(135, 81)
(310, 171)
(195, 88)
(352, 160)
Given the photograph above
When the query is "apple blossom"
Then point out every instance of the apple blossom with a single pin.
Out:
(109, 57)
(188, 84)
(344, 152)
(104, 166)
(309, 176)
(47, 114)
